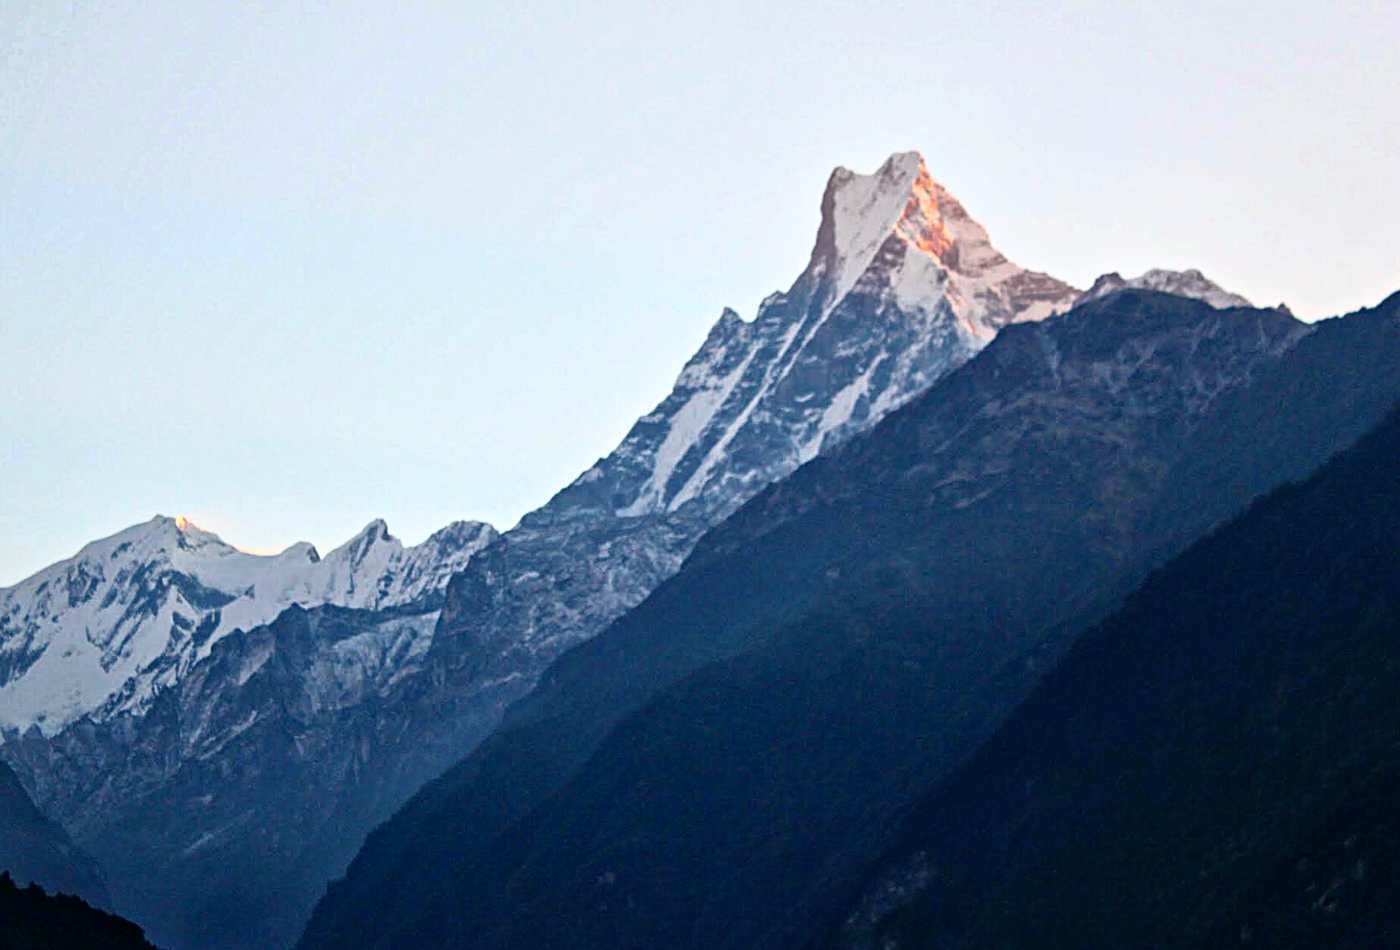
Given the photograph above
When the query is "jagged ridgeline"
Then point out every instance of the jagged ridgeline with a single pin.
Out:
(222, 730)
(710, 769)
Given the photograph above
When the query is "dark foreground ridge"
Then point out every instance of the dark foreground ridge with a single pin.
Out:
(1215, 766)
(32, 919)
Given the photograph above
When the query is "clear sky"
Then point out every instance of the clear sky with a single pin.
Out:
(289, 267)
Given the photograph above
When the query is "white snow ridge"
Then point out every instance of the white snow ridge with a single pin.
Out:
(131, 612)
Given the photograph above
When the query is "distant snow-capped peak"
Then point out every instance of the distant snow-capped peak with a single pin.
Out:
(130, 612)
(1180, 283)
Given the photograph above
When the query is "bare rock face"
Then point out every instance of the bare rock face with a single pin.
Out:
(224, 800)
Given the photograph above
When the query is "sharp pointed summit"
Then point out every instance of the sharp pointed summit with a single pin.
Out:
(902, 286)
(899, 232)
(861, 212)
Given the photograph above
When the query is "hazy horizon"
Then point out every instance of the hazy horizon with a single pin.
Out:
(285, 274)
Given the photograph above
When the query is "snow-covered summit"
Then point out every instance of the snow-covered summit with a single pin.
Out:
(1181, 283)
(902, 286)
(130, 612)
(900, 231)
(859, 213)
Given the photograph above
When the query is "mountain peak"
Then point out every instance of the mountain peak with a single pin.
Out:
(1180, 283)
(900, 165)
(902, 286)
(459, 532)
(164, 533)
(900, 233)
(902, 200)
(860, 212)
(376, 530)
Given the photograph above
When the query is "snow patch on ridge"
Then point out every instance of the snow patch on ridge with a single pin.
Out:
(685, 428)
(716, 455)
(838, 413)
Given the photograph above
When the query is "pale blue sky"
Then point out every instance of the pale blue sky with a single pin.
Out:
(289, 270)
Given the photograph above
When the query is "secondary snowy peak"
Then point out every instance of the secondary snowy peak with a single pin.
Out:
(374, 569)
(1181, 283)
(129, 613)
(902, 286)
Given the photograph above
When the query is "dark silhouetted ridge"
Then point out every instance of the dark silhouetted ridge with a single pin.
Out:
(32, 919)
(1214, 766)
